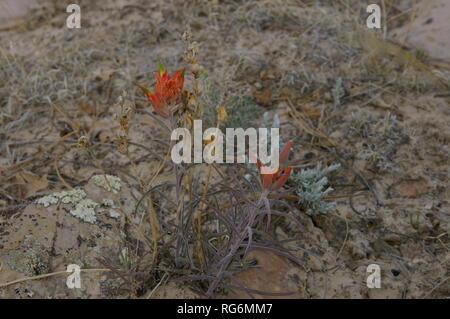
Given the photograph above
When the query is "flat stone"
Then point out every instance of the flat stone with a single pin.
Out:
(430, 30)
(14, 12)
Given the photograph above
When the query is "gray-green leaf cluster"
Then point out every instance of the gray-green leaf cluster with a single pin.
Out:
(312, 187)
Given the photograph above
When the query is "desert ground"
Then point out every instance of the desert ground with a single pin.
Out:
(86, 180)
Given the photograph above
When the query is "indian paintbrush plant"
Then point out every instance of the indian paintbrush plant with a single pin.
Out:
(216, 215)
(202, 218)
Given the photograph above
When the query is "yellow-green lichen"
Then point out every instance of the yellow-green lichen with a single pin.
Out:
(108, 203)
(32, 259)
(108, 182)
(85, 210)
(65, 197)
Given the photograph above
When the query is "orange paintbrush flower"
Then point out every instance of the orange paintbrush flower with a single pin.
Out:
(276, 180)
(166, 92)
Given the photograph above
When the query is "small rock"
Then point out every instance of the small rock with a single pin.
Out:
(271, 275)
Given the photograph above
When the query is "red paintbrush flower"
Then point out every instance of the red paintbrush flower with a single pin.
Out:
(276, 180)
(167, 90)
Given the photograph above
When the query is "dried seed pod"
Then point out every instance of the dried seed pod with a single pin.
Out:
(222, 115)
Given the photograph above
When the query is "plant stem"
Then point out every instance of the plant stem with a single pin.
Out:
(237, 242)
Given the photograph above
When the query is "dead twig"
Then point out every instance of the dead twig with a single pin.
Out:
(62, 272)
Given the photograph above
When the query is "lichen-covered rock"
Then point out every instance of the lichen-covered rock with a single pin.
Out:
(80, 226)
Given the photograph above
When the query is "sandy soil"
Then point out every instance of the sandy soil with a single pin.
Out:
(379, 107)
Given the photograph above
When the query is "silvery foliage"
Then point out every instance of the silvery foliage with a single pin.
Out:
(312, 188)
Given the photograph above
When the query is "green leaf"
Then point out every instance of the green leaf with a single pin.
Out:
(145, 90)
(160, 66)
